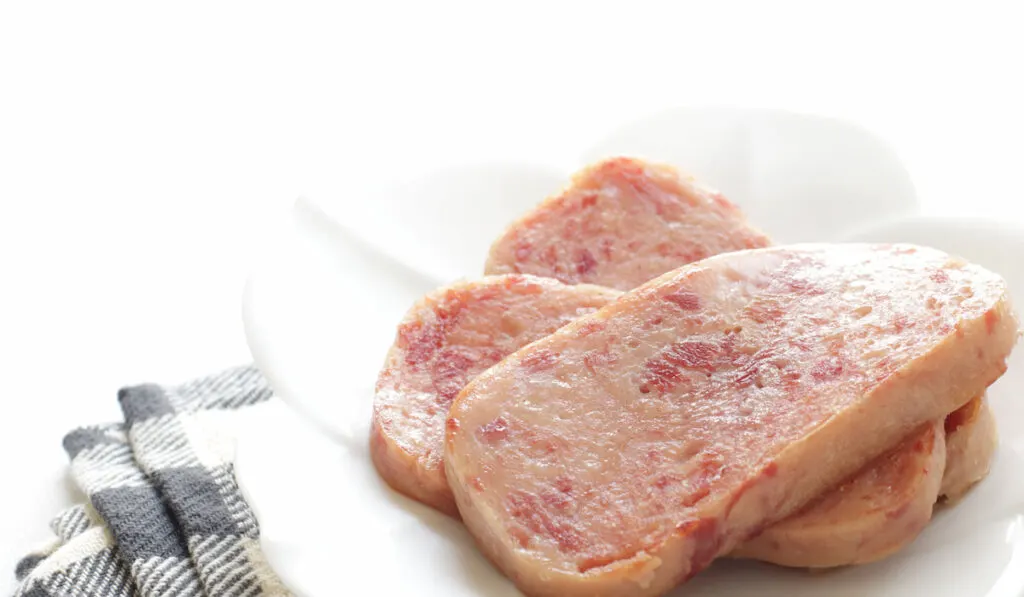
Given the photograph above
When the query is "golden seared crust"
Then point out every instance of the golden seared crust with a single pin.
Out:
(971, 440)
(885, 506)
(880, 510)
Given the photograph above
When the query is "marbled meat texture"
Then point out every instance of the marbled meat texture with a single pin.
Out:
(444, 341)
(622, 454)
(621, 223)
(876, 513)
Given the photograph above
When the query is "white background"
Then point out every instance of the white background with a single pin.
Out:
(146, 148)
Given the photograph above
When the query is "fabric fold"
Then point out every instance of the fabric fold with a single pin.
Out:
(165, 516)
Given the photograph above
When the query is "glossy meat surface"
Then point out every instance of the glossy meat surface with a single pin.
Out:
(886, 505)
(880, 510)
(621, 223)
(622, 454)
(444, 341)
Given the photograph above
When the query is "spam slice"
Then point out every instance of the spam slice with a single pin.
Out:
(626, 451)
(445, 340)
(971, 440)
(886, 505)
(621, 223)
(877, 512)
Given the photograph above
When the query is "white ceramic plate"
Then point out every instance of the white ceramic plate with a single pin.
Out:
(320, 314)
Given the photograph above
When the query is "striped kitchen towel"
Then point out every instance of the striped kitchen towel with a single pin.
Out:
(164, 516)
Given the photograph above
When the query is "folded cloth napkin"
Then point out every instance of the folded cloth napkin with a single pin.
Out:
(165, 516)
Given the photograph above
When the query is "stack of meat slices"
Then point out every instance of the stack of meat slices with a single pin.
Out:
(641, 383)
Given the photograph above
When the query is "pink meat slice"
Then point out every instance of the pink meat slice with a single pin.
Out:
(884, 507)
(445, 340)
(623, 453)
(618, 190)
(869, 517)
(622, 222)
(971, 440)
